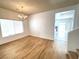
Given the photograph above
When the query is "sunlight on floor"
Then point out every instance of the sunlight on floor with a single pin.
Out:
(61, 48)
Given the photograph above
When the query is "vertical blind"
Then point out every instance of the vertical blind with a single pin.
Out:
(10, 27)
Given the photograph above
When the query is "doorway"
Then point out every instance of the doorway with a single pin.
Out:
(64, 22)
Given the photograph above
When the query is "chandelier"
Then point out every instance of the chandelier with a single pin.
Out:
(21, 15)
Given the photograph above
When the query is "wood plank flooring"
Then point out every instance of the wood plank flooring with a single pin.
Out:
(31, 48)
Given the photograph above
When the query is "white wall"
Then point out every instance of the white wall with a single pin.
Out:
(42, 24)
(76, 25)
(73, 42)
(12, 15)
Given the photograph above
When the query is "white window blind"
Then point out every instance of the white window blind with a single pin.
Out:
(18, 26)
(10, 27)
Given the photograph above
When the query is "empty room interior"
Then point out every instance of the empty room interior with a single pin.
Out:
(39, 29)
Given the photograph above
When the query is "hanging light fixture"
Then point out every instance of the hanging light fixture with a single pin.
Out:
(20, 8)
(22, 16)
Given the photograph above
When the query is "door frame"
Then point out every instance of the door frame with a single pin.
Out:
(63, 10)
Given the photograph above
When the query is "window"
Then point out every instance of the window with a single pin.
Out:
(18, 27)
(10, 27)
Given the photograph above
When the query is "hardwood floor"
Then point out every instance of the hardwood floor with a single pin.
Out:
(31, 48)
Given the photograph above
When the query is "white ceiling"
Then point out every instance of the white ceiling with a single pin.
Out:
(35, 6)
